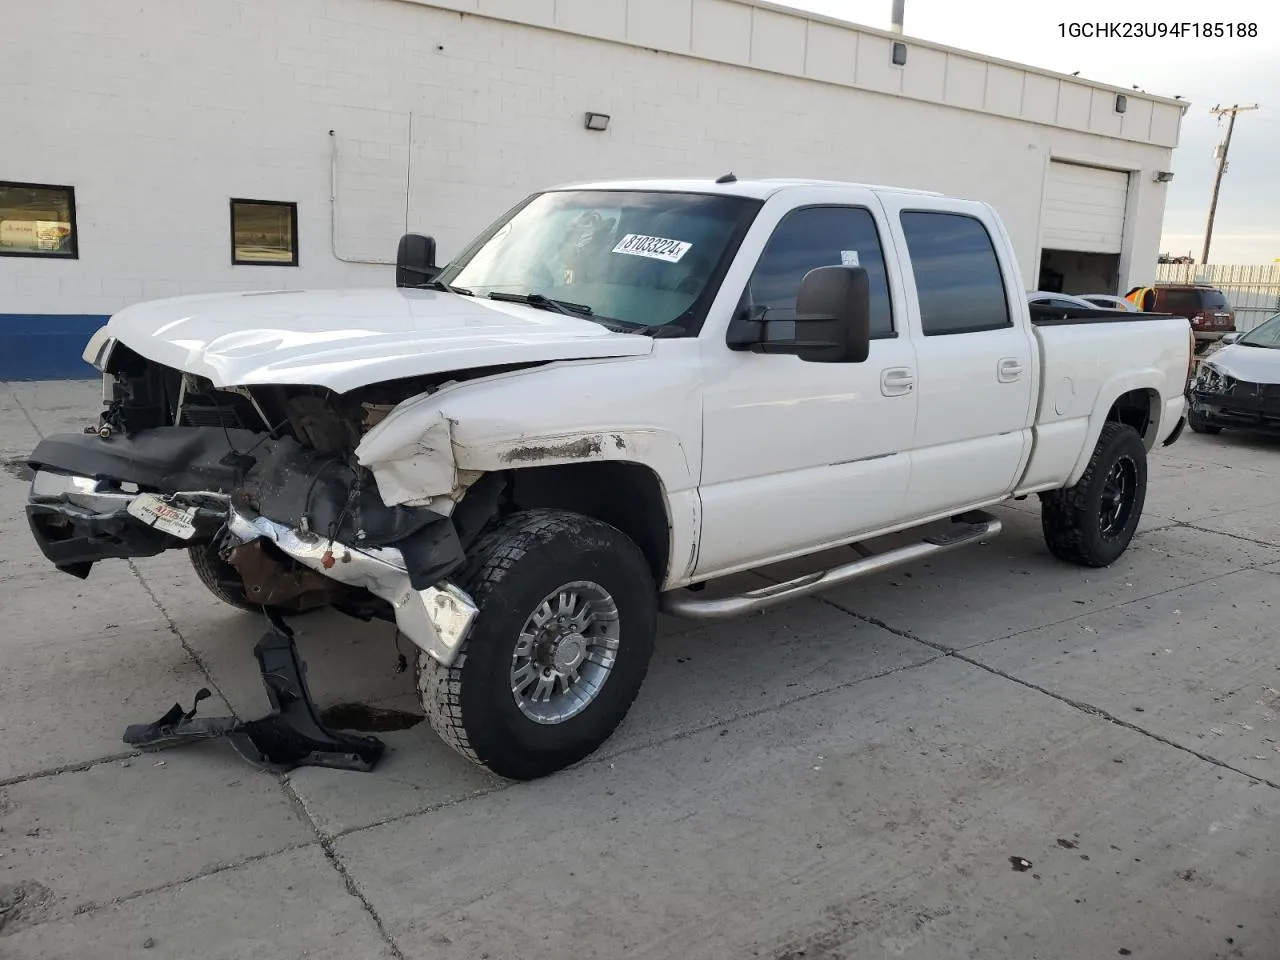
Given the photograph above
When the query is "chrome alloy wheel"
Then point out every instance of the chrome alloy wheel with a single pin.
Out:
(565, 652)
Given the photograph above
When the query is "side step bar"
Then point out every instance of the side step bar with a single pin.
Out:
(968, 528)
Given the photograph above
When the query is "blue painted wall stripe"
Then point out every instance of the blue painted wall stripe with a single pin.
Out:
(46, 346)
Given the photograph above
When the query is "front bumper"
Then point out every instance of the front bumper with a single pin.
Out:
(1240, 408)
(82, 508)
(436, 619)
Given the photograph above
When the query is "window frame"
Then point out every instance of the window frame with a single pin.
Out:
(1004, 279)
(74, 253)
(293, 230)
(894, 331)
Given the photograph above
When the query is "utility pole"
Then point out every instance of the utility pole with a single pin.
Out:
(1222, 168)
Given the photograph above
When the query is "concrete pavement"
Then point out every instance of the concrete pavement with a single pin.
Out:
(847, 776)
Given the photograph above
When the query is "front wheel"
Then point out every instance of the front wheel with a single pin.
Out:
(1200, 425)
(1091, 523)
(557, 653)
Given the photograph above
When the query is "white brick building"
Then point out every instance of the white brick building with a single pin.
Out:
(367, 118)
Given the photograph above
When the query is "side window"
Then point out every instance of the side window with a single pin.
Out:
(821, 237)
(958, 279)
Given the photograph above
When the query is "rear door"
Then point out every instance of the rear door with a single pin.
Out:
(974, 355)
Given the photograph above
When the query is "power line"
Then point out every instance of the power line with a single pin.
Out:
(1222, 168)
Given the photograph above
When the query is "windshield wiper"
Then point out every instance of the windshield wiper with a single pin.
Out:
(445, 288)
(657, 330)
(544, 303)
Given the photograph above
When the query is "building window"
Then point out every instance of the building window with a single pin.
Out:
(958, 278)
(37, 221)
(264, 232)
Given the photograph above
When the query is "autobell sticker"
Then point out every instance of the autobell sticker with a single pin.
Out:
(849, 258)
(655, 248)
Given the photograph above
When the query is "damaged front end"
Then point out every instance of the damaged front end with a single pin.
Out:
(300, 527)
(268, 482)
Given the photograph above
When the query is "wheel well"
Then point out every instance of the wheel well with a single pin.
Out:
(1135, 408)
(624, 495)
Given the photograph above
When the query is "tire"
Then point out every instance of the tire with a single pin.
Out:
(523, 567)
(223, 581)
(1199, 425)
(1092, 523)
(219, 577)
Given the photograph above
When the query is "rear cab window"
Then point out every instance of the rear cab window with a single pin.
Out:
(1188, 302)
(959, 283)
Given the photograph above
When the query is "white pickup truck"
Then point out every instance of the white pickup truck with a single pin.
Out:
(618, 393)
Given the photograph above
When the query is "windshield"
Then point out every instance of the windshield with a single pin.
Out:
(646, 259)
(1265, 334)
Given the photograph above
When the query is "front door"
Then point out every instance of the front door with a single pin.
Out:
(797, 455)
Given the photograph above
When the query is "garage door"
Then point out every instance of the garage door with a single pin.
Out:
(1084, 208)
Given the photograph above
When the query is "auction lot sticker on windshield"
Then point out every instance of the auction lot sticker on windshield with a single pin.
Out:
(154, 512)
(655, 248)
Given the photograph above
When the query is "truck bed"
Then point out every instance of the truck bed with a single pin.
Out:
(1086, 355)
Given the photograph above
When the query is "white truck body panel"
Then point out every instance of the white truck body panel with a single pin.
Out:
(761, 457)
(342, 339)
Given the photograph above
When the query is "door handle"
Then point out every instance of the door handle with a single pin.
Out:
(1009, 370)
(897, 382)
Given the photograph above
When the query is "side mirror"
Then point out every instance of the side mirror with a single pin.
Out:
(415, 260)
(833, 316)
(1229, 339)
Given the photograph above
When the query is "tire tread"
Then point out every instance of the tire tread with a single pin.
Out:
(493, 556)
(1063, 512)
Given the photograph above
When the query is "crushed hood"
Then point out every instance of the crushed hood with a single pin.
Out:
(1250, 364)
(345, 339)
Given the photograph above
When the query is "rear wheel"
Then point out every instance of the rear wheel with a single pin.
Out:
(557, 652)
(1092, 523)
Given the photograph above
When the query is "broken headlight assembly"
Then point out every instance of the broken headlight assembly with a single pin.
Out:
(1213, 380)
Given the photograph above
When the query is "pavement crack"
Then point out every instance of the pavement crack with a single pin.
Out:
(26, 413)
(1081, 705)
(602, 757)
(335, 861)
(757, 712)
(1221, 533)
(173, 628)
(92, 906)
(1096, 711)
(68, 768)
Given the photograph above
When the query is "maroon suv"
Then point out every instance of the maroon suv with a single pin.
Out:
(1211, 316)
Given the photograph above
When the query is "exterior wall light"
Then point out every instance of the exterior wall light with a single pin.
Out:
(597, 121)
(1122, 103)
(1163, 176)
(899, 53)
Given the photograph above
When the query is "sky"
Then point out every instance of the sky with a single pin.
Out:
(1206, 72)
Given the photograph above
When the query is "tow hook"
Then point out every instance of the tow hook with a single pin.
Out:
(290, 736)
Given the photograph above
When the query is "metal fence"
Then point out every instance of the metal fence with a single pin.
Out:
(1252, 290)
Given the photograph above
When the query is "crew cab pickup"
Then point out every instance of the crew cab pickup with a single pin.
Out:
(618, 393)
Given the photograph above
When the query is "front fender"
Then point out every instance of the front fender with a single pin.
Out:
(645, 411)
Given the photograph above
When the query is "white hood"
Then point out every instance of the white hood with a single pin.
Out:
(1250, 364)
(344, 339)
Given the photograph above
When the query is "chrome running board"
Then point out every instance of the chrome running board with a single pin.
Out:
(967, 528)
